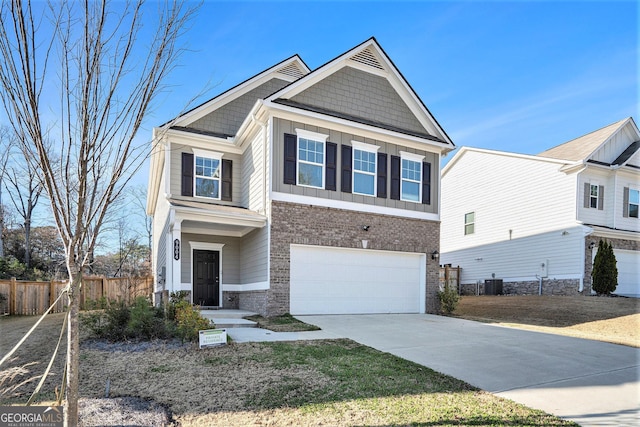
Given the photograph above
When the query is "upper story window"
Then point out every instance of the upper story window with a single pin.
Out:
(593, 196)
(411, 177)
(311, 158)
(469, 223)
(634, 202)
(207, 174)
(364, 168)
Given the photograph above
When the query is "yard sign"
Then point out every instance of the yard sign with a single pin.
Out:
(212, 337)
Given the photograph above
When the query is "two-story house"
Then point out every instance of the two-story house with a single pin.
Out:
(302, 191)
(535, 221)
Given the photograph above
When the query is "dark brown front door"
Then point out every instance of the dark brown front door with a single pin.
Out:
(206, 278)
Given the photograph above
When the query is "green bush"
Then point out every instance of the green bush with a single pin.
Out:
(448, 299)
(189, 321)
(605, 270)
(146, 321)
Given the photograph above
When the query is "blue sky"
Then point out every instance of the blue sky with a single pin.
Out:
(505, 75)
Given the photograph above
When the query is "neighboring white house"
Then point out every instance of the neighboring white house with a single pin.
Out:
(534, 221)
(302, 191)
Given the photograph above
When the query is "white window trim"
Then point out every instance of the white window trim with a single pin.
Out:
(207, 155)
(597, 197)
(314, 136)
(470, 223)
(370, 148)
(413, 158)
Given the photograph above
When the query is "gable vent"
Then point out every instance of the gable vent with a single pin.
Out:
(291, 70)
(367, 57)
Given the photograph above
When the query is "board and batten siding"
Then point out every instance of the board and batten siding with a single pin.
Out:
(616, 144)
(521, 259)
(512, 197)
(176, 175)
(281, 126)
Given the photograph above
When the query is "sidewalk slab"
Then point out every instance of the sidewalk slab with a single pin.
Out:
(241, 335)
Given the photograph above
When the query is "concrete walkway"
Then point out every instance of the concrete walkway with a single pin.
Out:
(590, 382)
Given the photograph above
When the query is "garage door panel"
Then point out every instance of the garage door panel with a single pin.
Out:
(342, 281)
(628, 264)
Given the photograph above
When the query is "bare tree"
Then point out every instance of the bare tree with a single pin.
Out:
(23, 178)
(94, 58)
(6, 144)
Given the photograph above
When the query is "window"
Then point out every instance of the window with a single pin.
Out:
(311, 158)
(207, 174)
(634, 202)
(593, 196)
(411, 181)
(364, 168)
(469, 223)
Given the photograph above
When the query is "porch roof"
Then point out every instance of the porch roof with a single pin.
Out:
(207, 218)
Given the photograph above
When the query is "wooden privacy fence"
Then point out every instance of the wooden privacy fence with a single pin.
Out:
(32, 298)
(451, 276)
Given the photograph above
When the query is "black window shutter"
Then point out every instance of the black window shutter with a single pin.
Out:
(345, 184)
(426, 183)
(227, 179)
(395, 178)
(382, 175)
(290, 158)
(331, 166)
(187, 174)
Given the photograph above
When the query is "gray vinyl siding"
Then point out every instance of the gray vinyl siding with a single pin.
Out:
(360, 94)
(161, 257)
(228, 118)
(253, 262)
(253, 174)
(280, 127)
(230, 256)
(176, 175)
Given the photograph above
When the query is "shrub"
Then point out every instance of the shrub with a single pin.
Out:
(448, 299)
(189, 321)
(605, 271)
(145, 321)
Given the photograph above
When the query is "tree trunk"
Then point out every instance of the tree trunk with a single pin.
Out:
(27, 242)
(73, 350)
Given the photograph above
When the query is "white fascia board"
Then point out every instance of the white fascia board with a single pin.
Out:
(291, 113)
(227, 218)
(352, 206)
(205, 142)
(615, 234)
(256, 286)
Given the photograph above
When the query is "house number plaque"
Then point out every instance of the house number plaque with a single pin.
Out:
(176, 249)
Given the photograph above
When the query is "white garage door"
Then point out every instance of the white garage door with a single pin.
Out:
(628, 263)
(356, 281)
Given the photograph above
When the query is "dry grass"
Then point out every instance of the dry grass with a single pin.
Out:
(330, 383)
(609, 319)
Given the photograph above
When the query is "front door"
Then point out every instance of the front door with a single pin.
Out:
(206, 278)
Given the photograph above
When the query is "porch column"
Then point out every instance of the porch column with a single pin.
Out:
(176, 255)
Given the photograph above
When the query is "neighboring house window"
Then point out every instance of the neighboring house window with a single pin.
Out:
(364, 168)
(593, 196)
(411, 177)
(311, 159)
(634, 202)
(469, 223)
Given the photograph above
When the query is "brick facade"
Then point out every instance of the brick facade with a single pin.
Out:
(313, 225)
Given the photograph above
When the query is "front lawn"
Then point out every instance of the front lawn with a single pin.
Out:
(329, 382)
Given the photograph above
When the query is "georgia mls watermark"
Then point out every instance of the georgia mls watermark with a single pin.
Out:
(31, 416)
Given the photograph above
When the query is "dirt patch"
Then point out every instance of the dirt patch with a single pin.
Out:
(609, 319)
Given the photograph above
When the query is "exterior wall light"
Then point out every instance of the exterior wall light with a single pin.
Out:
(435, 255)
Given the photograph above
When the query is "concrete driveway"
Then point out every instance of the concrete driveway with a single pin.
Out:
(590, 382)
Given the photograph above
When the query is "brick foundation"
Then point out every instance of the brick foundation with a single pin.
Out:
(312, 225)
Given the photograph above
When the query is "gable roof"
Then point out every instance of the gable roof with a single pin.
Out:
(582, 148)
(369, 58)
(287, 71)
